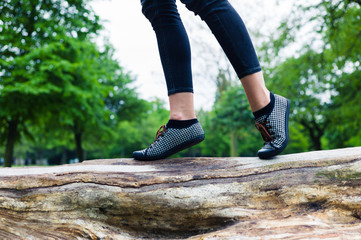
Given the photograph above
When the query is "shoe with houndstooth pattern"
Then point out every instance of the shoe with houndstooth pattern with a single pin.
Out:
(170, 139)
(274, 128)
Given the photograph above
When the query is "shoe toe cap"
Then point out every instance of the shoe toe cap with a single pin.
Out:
(267, 151)
(139, 155)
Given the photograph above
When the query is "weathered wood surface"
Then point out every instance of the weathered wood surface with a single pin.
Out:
(315, 195)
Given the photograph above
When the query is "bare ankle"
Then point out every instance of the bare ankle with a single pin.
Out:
(181, 106)
(260, 102)
(176, 116)
(182, 116)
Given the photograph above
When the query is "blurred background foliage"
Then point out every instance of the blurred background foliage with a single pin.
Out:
(62, 97)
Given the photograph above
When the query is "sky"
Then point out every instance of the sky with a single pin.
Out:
(136, 48)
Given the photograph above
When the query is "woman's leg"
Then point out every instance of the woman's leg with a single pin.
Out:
(181, 106)
(271, 111)
(175, 54)
(256, 91)
(231, 33)
(183, 129)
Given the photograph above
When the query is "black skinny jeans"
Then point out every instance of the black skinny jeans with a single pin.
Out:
(174, 49)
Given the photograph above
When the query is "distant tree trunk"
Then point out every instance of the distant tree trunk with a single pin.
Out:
(79, 149)
(234, 144)
(316, 132)
(316, 142)
(122, 153)
(10, 142)
(78, 133)
(64, 157)
(223, 81)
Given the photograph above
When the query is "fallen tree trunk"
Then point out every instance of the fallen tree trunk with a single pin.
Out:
(309, 195)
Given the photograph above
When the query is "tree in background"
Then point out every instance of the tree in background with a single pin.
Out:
(302, 80)
(26, 26)
(78, 105)
(233, 116)
(136, 133)
(343, 35)
(122, 105)
(54, 79)
(229, 126)
(314, 78)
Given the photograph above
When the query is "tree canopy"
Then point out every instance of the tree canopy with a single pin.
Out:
(320, 76)
(53, 75)
(63, 96)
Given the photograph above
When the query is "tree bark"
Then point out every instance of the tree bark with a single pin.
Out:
(313, 195)
(10, 143)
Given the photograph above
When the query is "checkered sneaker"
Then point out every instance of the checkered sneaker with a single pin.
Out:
(274, 128)
(169, 141)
